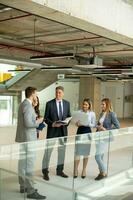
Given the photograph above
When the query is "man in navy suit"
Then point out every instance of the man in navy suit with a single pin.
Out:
(56, 109)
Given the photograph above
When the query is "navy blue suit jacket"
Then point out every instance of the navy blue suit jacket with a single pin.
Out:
(51, 115)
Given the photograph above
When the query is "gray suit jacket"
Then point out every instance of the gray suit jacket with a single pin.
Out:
(26, 126)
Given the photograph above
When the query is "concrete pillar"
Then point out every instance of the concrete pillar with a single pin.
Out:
(90, 88)
(15, 104)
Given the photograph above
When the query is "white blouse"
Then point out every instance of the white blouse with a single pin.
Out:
(91, 118)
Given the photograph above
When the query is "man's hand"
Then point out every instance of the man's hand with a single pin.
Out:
(57, 125)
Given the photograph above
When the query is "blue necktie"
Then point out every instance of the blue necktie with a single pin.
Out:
(60, 111)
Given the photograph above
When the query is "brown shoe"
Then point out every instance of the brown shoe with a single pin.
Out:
(100, 176)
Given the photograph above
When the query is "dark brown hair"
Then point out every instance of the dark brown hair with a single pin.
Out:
(29, 91)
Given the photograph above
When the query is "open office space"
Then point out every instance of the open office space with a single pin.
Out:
(78, 55)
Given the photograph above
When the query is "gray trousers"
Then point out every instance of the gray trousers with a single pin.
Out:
(48, 151)
(26, 166)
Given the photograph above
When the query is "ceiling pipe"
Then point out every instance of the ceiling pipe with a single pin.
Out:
(112, 51)
(72, 40)
(22, 49)
(46, 53)
(17, 17)
(54, 33)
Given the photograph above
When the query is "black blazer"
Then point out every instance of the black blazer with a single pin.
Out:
(51, 115)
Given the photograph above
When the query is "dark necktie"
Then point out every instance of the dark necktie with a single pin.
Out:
(60, 111)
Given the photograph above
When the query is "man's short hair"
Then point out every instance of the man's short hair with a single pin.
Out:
(29, 91)
(60, 88)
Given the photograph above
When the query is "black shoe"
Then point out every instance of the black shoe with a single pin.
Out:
(75, 176)
(23, 190)
(100, 176)
(46, 176)
(83, 177)
(35, 195)
(62, 174)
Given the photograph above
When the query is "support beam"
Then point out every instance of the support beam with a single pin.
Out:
(57, 16)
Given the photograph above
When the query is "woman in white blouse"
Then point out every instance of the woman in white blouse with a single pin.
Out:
(83, 148)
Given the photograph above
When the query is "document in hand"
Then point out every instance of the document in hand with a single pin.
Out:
(65, 122)
(80, 116)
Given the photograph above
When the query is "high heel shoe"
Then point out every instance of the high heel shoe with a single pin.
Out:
(83, 175)
(75, 175)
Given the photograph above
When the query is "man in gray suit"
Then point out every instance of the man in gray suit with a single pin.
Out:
(26, 134)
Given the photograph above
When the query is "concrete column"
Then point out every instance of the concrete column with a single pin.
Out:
(90, 88)
(15, 104)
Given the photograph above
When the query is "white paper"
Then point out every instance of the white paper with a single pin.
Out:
(65, 122)
(80, 116)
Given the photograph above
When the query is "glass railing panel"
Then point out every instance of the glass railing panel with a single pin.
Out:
(116, 145)
(119, 172)
(57, 153)
(121, 151)
(94, 146)
(32, 153)
(9, 188)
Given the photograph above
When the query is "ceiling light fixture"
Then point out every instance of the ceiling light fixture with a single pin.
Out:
(127, 73)
(47, 57)
(91, 66)
(5, 9)
(53, 68)
(19, 62)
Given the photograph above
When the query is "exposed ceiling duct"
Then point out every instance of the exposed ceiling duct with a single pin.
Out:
(49, 45)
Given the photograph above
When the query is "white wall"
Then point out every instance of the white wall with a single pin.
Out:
(71, 91)
(128, 105)
(6, 111)
(114, 91)
(117, 91)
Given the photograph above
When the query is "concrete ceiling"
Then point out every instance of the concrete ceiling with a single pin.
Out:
(28, 29)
